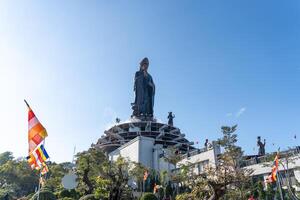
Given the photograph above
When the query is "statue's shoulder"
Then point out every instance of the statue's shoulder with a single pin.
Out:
(138, 73)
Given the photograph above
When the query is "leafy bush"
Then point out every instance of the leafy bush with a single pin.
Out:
(88, 197)
(5, 195)
(68, 193)
(44, 195)
(169, 190)
(64, 193)
(184, 196)
(149, 196)
(66, 198)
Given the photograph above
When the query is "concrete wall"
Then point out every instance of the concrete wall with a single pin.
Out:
(128, 150)
(142, 150)
(202, 159)
(139, 150)
(146, 151)
(265, 168)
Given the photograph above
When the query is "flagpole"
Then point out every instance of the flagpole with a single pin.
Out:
(40, 175)
(278, 178)
(279, 186)
(289, 180)
(26, 103)
(38, 197)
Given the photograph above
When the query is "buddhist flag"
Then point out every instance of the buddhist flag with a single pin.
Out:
(37, 158)
(45, 169)
(41, 154)
(273, 176)
(32, 162)
(276, 160)
(36, 132)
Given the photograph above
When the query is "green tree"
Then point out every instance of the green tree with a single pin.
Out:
(172, 156)
(270, 192)
(261, 190)
(44, 194)
(137, 173)
(89, 165)
(184, 196)
(227, 180)
(5, 157)
(102, 186)
(149, 196)
(96, 174)
(118, 175)
(16, 177)
(55, 175)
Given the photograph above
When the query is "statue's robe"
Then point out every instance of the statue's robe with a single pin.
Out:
(144, 94)
(261, 150)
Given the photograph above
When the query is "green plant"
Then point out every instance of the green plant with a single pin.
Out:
(68, 193)
(44, 195)
(149, 196)
(183, 196)
(88, 197)
(169, 190)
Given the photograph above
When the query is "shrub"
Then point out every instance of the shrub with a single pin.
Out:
(44, 195)
(88, 197)
(64, 193)
(184, 196)
(68, 193)
(66, 198)
(149, 196)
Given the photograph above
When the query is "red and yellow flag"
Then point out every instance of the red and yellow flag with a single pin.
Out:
(36, 132)
(273, 176)
(45, 169)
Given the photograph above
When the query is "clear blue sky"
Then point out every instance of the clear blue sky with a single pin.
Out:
(214, 63)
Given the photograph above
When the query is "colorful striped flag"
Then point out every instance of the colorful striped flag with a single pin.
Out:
(32, 162)
(273, 176)
(45, 169)
(41, 151)
(37, 158)
(36, 135)
(36, 132)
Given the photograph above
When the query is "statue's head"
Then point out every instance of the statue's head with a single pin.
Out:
(258, 138)
(144, 64)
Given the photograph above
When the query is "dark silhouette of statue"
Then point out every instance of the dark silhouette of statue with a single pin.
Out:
(171, 116)
(261, 149)
(144, 89)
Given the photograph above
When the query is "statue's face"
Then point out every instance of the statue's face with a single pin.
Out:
(144, 67)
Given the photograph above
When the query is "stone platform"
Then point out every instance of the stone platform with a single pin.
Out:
(162, 133)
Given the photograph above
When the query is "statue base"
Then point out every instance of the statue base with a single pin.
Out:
(143, 117)
(164, 134)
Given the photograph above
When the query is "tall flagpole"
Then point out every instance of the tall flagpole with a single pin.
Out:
(279, 186)
(38, 196)
(26, 103)
(40, 175)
